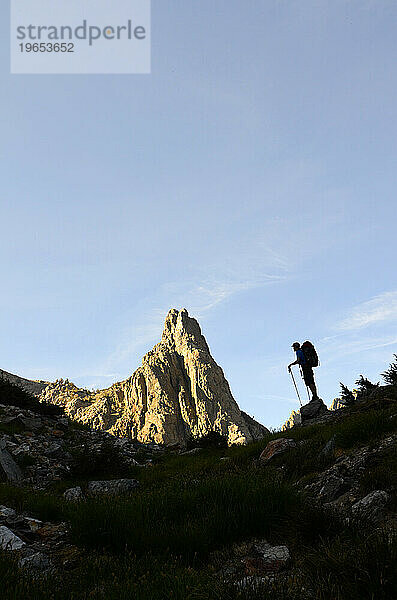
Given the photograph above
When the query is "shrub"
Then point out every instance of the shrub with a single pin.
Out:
(347, 396)
(106, 462)
(390, 375)
(365, 386)
(213, 439)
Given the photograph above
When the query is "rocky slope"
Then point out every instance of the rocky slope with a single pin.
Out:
(33, 387)
(178, 393)
(338, 470)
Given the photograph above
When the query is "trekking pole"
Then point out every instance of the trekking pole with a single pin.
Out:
(296, 387)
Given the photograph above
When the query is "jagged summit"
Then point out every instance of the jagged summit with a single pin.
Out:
(177, 393)
(178, 326)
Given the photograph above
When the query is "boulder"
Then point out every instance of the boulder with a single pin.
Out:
(267, 559)
(8, 513)
(113, 487)
(33, 524)
(74, 494)
(8, 466)
(8, 539)
(372, 506)
(275, 448)
(329, 447)
(333, 487)
(23, 421)
(36, 564)
(314, 409)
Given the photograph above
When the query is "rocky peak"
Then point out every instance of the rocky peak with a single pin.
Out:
(182, 331)
(178, 393)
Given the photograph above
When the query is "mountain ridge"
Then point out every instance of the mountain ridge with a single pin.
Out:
(178, 393)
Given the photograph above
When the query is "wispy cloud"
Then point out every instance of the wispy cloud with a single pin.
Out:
(381, 309)
(256, 265)
(206, 295)
(337, 348)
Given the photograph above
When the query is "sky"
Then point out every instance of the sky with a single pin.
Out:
(250, 178)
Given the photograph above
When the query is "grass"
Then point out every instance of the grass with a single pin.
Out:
(364, 428)
(107, 463)
(359, 567)
(187, 517)
(160, 543)
(356, 567)
(102, 577)
(382, 474)
(41, 505)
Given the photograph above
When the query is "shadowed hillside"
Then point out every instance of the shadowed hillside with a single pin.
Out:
(307, 513)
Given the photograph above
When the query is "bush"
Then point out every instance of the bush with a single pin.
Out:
(365, 387)
(390, 376)
(213, 439)
(106, 463)
(347, 396)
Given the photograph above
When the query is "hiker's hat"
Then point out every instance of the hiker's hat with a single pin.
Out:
(295, 345)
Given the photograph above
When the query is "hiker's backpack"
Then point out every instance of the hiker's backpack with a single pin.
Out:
(310, 353)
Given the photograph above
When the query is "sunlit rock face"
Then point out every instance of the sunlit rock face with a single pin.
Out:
(179, 392)
(293, 420)
(336, 404)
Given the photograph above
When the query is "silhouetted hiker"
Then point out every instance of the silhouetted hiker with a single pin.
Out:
(306, 358)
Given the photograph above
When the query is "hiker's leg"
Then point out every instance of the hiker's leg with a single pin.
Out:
(308, 377)
(313, 390)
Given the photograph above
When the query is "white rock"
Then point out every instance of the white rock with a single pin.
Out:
(9, 466)
(8, 540)
(7, 512)
(277, 553)
(36, 562)
(74, 494)
(33, 524)
(252, 582)
(371, 506)
(112, 487)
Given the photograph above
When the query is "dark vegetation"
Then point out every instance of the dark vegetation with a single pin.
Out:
(346, 395)
(170, 539)
(213, 439)
(13, 395)
(106, 463)
(366, 388)
(390, 375)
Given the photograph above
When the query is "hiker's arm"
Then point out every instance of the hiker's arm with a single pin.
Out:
(292, 364)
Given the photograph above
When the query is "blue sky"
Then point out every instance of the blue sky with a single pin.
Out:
(250, 178)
